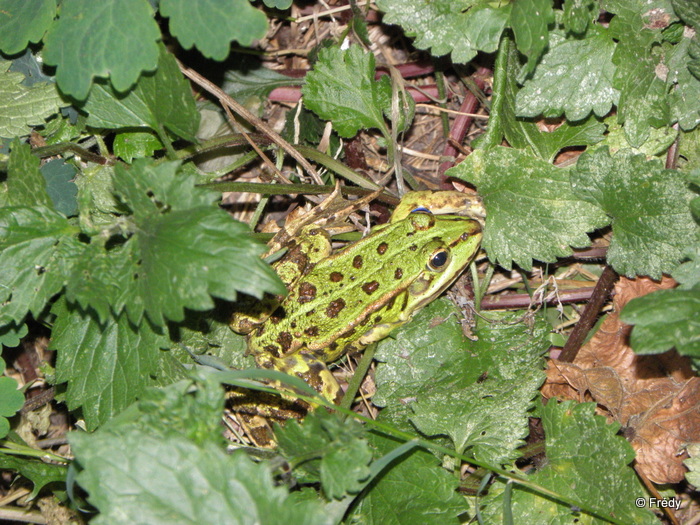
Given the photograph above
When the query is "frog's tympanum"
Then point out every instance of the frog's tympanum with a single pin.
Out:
(340, 302)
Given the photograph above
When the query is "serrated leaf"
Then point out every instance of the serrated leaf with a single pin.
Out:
(684, 87)
(106, 365)
(574, 78)
(693, 465)
(688, 11)
(159, 99)
(586, 461)
(643, 102)
(25, 184)
(248, 79)
(531, 210)
(329, 449)
(477, 393)
(123, 48)
(181, 482)
(579, 14)
(37, 252)
(28, 22)
(60, 186)
(648, 205)
(665, 319)
(460, 27)
(131, 145)
(22, 106)
(688, 273)
(35, 470)
(211, 25)
(183, 250)
(530, 21)
(11, 399)
(341, 88)
(415, 490)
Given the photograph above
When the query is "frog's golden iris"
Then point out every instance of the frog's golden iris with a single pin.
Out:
(341, 302)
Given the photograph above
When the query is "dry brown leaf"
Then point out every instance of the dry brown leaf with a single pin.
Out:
(655, 397)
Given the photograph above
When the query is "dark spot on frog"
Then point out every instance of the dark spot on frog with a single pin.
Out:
(272, 350)
(334, 308)
(307, 292)
(378, 319)
(398, 273)
(285, 340)
(336, 277)
(370, 287)
(413, 247)
(357, 262)
(311, 312)
(311, 331)
(381, 249)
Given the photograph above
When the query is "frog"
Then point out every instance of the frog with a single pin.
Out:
(340, 302)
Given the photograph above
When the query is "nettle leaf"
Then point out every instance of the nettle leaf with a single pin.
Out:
(574, 78)
(689, 11)
(25, 184)
(22, 106)
(106, 365)
(211, 25)
(188, 483)
(529, 21)
(341, 88)
(183, 250)
(248, 79)
(123, 48)
(652, 223)
(159, 99)
(38, 249)
(479, 394)
(586, 461)
(329, 449)
(60, 186)
(414, 489)
(688, 273)
(684, 87)
(28, 22)
(531, 210)
(11, 400)
(665, 319)
(579, 14)
(643, 101)
(132, 145)
(524, 133)
(11, 334)
(461, 27)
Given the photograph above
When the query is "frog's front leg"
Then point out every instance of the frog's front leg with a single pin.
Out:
(305, 365)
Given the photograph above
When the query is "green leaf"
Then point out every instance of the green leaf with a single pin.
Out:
(530, 21)
(60, 186)
(684, 87)
(183, 249)
(341, 88)
(22, 106)
(25, 184)
(249, 79)
(35, 470)
(123, 48)
(24, 22)
(329, 449)
(461, 27)
(414, 490)
(643, 102)
(37, 252)
(181, 482)
(106, 365)
(159, 99)
(531, 210)
(11, 399)
(648, 204)
(278, 4)
(688, 11)
(665, 319)
(11, 334)
(693, 464)
(211, 25)
(579, 14)
(586, 460)
(688, 273)
(478, 393)
(131, 145)
(574, 78)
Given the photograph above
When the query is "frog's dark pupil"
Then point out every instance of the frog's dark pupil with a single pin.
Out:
(438, 260)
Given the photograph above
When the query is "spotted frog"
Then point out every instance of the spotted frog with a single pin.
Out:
(339, 303)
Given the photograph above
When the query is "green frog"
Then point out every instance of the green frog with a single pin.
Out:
(338, 303)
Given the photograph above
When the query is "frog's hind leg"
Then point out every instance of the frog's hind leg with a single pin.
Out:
(308, 367)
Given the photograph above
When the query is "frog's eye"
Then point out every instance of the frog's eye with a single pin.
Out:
(421, 209)
(438, 260)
